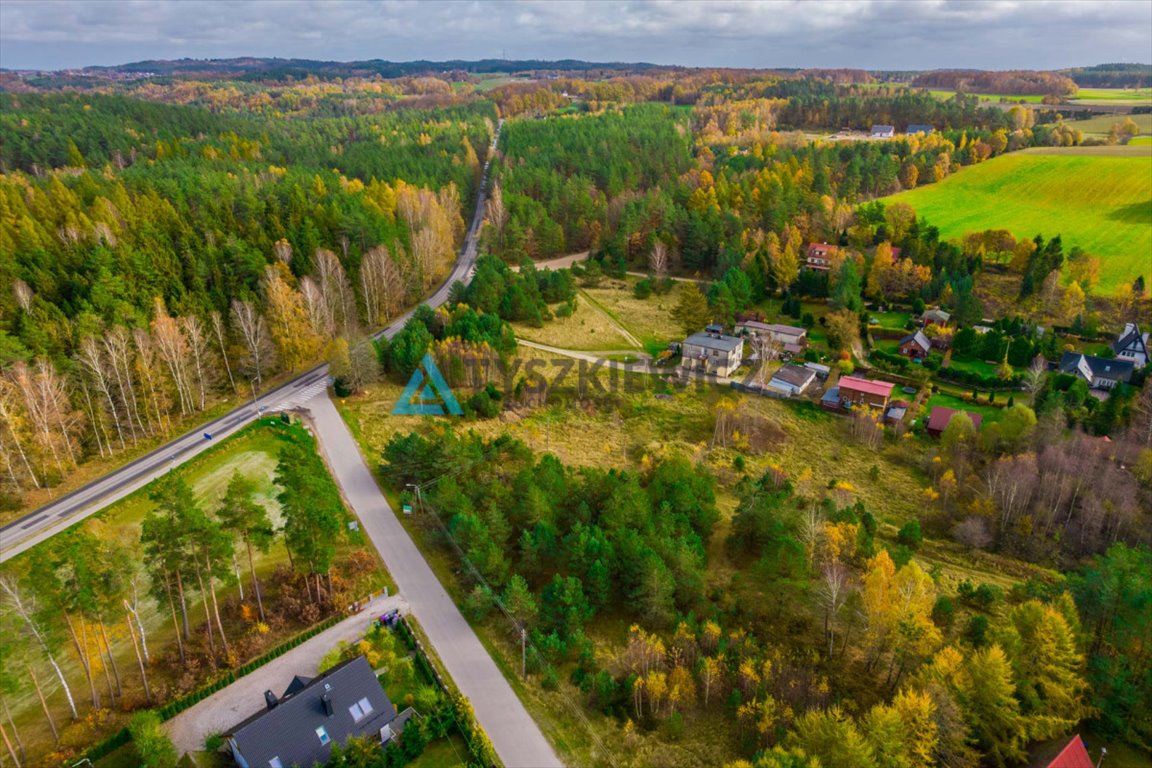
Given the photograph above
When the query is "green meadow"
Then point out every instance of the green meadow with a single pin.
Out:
(1099, 198)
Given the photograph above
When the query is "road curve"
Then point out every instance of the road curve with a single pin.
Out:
(73, 507)
(514, 734)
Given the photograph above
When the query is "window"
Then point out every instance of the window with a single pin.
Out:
(360, 709)
(322, 734)
(275, 763)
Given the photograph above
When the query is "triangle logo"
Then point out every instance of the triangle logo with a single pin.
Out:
(427, 394)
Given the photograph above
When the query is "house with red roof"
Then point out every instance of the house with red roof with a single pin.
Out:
(855, 391)
(1073, 755)
(940, 416)
(819, 256)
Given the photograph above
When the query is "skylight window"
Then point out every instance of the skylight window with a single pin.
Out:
(360, 709)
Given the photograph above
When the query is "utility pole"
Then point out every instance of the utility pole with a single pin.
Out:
(523, 653)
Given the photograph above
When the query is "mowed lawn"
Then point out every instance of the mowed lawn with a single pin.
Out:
(1097, 198)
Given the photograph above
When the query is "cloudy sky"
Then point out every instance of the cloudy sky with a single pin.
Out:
(872, 34)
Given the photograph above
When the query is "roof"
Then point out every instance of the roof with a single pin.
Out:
(940, 416)
(820, 249)
(883, 129)
(866, 386)
(794, 375)
(1090, 367)
(753, 324)
(786, 330)
(289, 730)
(1130, 334)
(1073, 755)
(714, 341)
(937, 314)
(920, 128)
(920, 339)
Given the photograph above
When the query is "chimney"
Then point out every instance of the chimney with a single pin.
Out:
(326, 699)
(270, 699)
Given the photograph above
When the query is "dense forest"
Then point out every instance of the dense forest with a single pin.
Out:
(160, 256)
(832, 644)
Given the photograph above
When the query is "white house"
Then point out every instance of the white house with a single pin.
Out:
(712, 352)
(1099, 372)
(1132, 345)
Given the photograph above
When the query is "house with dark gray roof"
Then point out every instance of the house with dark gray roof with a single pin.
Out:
(712, 352)
(923, 128)
(883, 131)
(299, 728)
(1132, 345)
(1099, 372)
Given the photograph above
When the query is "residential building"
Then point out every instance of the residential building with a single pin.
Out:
(939, 417)
(915, 345)
(1074, 754)
(792, 380)
(819, 256)
(1132, 345)
(935, 317)
(299, 728)
(712, 352)
(792, 339)
(855, 391)
(923, 128)
(896, 412)
(883, 131)
(822, 371)
(1100, 373)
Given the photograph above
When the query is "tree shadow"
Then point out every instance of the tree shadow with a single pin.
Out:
(1136, 213)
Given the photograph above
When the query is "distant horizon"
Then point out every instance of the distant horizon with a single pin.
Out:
(51, 35)
(544, 62)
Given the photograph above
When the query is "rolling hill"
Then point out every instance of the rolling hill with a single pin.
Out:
(1099, 198)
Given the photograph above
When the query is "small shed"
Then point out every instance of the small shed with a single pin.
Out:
(939, 417)
(793, 380)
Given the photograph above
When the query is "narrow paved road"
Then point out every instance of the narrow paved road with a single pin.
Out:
(514, 734)
(71, 508)
(245, 697)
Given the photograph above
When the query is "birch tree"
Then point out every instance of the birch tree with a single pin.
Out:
(25, 608)
(219, 333)
(257, 340)
(381, 286)
(337, 291)
(196, 337)
(173, 350)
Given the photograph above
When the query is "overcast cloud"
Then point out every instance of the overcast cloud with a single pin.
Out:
(870, 34)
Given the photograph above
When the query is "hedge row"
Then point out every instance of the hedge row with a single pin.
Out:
(173, 708)
(109, 745)
(479, 747)
(979, 380)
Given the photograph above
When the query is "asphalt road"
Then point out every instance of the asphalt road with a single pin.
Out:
(71, 508)
(514, 734)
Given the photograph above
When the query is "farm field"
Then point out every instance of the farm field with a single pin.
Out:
(1098, 200)
(1113, 95)
(1101, 124)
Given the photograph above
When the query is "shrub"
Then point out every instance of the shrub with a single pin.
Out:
(944, 612)
(910, 535)
(643, 289)
(153, 747)
(976, 632)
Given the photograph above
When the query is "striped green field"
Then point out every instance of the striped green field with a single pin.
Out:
(1101, 124)
(1114, 95)
(1099, 198)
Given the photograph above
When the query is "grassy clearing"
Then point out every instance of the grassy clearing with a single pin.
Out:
(650, 320)
(1141, 141)
(1101, 124)
(1099, 200)
(587, 329)
(943, 400)
(896, 321)
(1113, 95)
